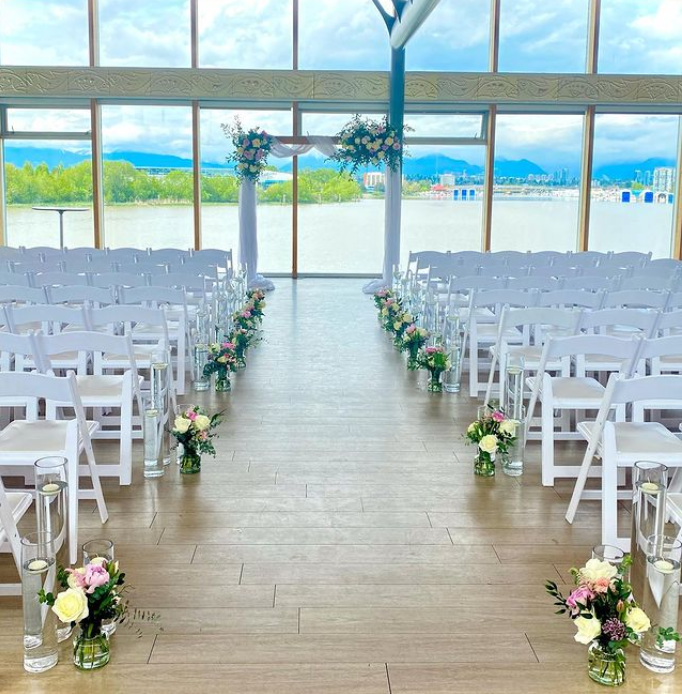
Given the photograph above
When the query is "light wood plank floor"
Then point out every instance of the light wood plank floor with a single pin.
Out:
(339, 543)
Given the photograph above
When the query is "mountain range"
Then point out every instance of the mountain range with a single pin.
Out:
(413, 167)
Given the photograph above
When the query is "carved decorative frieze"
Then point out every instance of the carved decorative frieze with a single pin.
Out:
(323, 85)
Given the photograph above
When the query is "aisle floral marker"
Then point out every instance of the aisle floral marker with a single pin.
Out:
(493, 432)
(193, 430)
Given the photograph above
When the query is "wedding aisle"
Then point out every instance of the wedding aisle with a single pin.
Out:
(339, 543)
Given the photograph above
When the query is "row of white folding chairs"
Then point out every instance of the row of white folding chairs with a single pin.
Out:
(23, 441)
(486, 328)
(565, 381)
(151, 315)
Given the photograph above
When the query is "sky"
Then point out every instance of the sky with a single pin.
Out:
(637, 36)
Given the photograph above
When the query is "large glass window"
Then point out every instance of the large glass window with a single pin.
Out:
(541, 36)
(145, 33)
(455, 37)
(633, 181)
(147, 176)
(44, 32)
(537, 167)
(342, 36)
(48, 173)
(220, 189)
(640, 37)
(245, 35)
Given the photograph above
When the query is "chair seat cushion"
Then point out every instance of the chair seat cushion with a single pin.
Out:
(42, 437)
(100, 388)
(640, 441)
(575, 392)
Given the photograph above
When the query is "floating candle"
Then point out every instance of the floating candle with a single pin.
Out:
(650, 487)
(37, 566)
(50, 489)
(664, 566)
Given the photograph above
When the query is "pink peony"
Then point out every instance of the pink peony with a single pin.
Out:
(95, 576)
(192, 415)
(411, 328)
(431, 350)
(498, 416)
(245, 142)
(246, 314)
(396, 145)
(579, 598)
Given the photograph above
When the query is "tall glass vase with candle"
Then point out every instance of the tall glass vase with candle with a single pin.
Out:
(512, 464)
(661, 603)
(51, 507)
(649, 487)
(160, 397)
(152, 431)
(38, 573)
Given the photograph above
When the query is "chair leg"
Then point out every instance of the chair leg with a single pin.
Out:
(609, 502)
(547, 452)
(126, 453)
(96, 484)
(73, 508)
(473, 369)
(675, 486)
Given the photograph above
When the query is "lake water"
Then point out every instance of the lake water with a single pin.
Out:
(348, 237)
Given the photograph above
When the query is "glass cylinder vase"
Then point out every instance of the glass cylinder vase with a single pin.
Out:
(512, 461)
(435, 383)
(190, 461)
(452, 378)
(605, 666)
(91, 649)
(152, 432)
(661, 602)
(38, 573)
(201, 381)
(160, 395)
(222, 383)
(649, 490)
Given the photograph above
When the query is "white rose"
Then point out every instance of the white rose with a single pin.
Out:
(588, 629)
(202, 422)
(508, 427)
(637, 620)
(408, 318)
(472, 427)
(71, 605)
(488, 444)
(181, 425)
(596, 569)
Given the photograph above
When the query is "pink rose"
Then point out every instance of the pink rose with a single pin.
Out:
(245, 142)
(601, 585)
(498, 416)
(192, 415)
(431, 350)
(95, 576)
(246, 314)
(579, 598)
(78, 578)
(411, 328)
(396, 145)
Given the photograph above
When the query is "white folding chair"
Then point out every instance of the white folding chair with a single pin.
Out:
(13, 506)
(572, 298)
(650, 282)
(168, 255)
(622, 444)
(100, 391)
(567, 394)
(15, 279)
(522, 332)
(60, 279)
(591, 283)
(79, 295)
(23, 442)
(543, 284)
(636, 298)
(21, 295)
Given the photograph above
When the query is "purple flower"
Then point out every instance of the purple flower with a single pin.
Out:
(615, 629)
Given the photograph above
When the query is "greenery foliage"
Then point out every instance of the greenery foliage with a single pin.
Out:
(123, 183)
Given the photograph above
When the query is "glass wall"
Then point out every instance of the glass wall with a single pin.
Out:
(220, 189)
(144, 33)
(633, 183)
(147, 176)
(48, 173)
(541, 36)
(640, 37)
(537, 169)
(44, 32)
(261, 38)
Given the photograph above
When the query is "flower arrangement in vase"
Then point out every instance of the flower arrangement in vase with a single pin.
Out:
(605, 615)
(381, 296)
(435, 360)
(413, 339)
(400, 324)
(193, 429)
(493, 433)
(222, 360)
(91, 595)
(241, 339)
(251, 149)
(393, 306)
(255, 303)
(367, 142)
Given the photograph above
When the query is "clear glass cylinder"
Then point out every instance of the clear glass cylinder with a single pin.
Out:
(661, 602)
(512, 462)
(513, 388)
(202, 321)
(38, 572)
(452, 378)
(100, 549)
(609, 553)
(649, 491)
(152, 431)
(160, 398)
(201, 382)
(51, 507)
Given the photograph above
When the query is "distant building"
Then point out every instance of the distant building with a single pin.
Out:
(447, 180)
(373, 179)
(664, 179)
(269, 178)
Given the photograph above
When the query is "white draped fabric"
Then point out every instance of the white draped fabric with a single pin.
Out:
(248, 227)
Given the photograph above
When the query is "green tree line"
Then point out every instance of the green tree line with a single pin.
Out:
(123, 183)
